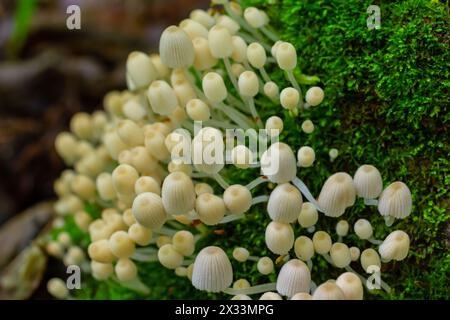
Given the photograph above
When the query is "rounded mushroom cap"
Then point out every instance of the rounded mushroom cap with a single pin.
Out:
(201, 16)
(125, 270)
(304, 248)
(220, 42)
(265, 265)
(198, 110)
(337, 194)
(274, 125)
(214, 87)
(239, 49)
(351, 286)
(286, 56)
(308, 215)
(279, 237)
(237, 199)
(254, 17)
(248, 84)
(270, 296)
(395, 201)
(183, 241)
(241, 254)
(57, 288)
(162, 98)
(328, 291)
(169, 257)
(256, 55)
(363, 229)
(368, 182)
(322, 242)
(271, 90)
(175, 48)
(140, 70)
(355, 253)
(342, 228)
(210, 208)
(194, 29)
(148, 210)
(208, 150)
(301, 296)
(229, 23)
(369, 257)
(395, 246)
(203, 60)
(278, 163)
(340, 255)
(314, 96)
(289, 98)
(294, 277)
(306, 156)
(212, 270)
(178, 195)
(242, 157)
(284, 203)
(241, 297)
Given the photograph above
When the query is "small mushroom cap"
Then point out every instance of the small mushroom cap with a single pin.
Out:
(239, 49)
(204, 59)
(284, 203)
(241, 254)
(175, 48)
(212, 270)
(314, 96)
(395, 201)
(395, 246)
(355, 253)
(270, 296)
(254, 17)
(169, 257)
(368, 182)
(162, 98)
(304, 248)
(274, 126)
(57, 288)
(328, 291)
(220, 42)
(183, 241)
(294, 277)
(201, 16)
(194, 29)
(351, 286)
(140, 70)
(306, 156)
(125, 270)
(363, 229)
(340, 255)
(210, 208)
(214, 87)
(265, 265)
(248, 84)
(286, 56)
(178, 195)
(227, 22)
(279, 237)
(278, 163)
(289, 98)
(369, 257)
(256, 55)
(101, 271)
(322, 242)
(271, 90)
(121, 245)
(308, 126)
(198, 110)
(337, 194)
(308, 215)
(342, 228)
(242, 156)
(301, 296)
(237, 199)
(148, 210)
(241, 297)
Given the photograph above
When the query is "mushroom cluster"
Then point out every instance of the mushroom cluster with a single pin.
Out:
(140, 161)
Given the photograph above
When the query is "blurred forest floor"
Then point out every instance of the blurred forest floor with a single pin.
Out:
(47, 73)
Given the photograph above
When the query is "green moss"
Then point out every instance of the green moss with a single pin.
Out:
(386, 104)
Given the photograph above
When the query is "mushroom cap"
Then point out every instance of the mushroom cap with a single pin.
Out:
(208, 150)
(337, 193)
(304, 248)
(270, 296)
(363, 229)
(369, 257)
(340, 255)
(175, 48)
(294, 277)
(178, 195)
(284, 203)
(351, 285)
(314, 96)
(301, 296)
(210, 208)
(368, 182)
(395, 246)
(395, 201)
(237, 199)
(322, 242)
(212, 270)
(148, 210)
(220, 42)
(278, 163)
(279, 237)
(328, 291)
(308, 215)
(162, 97)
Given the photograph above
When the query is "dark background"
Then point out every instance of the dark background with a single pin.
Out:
(47, 73)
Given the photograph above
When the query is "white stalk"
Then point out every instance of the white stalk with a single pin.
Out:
(256, 182)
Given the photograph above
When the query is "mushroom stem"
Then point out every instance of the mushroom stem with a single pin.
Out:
(295, 84)
(304, 189)
(253, 258)
(234, 115)
(252, 290)
(309, 264)
(199, 92)
(340, 238)
(371, 202)
(220, 180)
(389, 220)
(236, 102)
(255, 115)
(142, 257)
(165, 231)
(269, 34)
(313, 286)
(256, 182)
(227, 63)
(135, 285)
(220, 124)
(232, 217)
(236, 17)
(260, 199)
(374, 241)
(264, 74)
